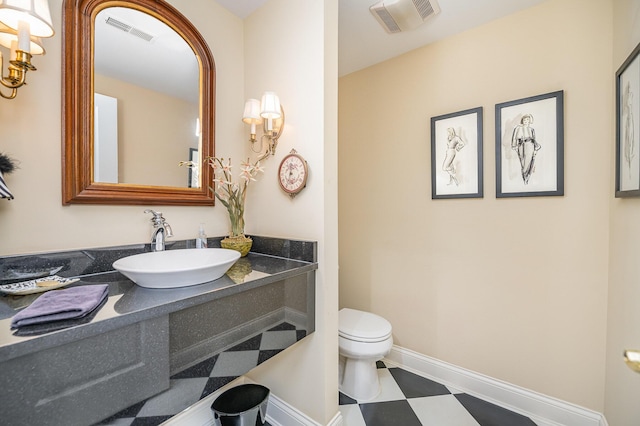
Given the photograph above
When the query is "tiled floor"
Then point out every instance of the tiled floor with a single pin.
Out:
(410, 400)
(406, 399)
(195, 383)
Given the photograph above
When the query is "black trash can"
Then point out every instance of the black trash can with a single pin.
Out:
(243, 405)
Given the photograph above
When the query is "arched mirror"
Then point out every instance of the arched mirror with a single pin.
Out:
(138, 99)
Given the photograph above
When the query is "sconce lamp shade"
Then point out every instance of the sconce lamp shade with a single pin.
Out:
(251, 112)
(34, 12)
(268, 109)
(270, 106)
(9, 35)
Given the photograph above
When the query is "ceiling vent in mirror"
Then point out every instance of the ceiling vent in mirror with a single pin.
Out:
(403, 15)
(129, 29)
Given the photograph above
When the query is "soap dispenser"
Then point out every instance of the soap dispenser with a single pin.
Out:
(201, 240)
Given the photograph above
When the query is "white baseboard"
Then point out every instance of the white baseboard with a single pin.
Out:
(279, 413)
(542, 409)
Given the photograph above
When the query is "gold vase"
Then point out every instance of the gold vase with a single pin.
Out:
(239, 243)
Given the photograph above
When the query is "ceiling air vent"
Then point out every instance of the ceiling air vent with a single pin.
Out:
(119, 25)
(385, 18)
(403, 15)
(129, 29)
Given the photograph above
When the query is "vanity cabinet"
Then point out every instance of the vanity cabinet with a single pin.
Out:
(140, 337)
(84, 381)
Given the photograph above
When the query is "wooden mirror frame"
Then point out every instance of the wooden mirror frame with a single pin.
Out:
(77, 108)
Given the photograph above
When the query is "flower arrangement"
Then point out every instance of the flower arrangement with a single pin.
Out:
(232, 195)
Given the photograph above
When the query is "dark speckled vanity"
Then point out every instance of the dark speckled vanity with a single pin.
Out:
(140, 337)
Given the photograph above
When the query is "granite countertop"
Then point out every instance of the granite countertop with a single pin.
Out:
(270, 260)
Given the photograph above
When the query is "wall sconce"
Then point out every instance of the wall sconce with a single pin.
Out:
(270, 113)
(22, 23)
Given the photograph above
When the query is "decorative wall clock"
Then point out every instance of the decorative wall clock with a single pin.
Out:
(292, 173)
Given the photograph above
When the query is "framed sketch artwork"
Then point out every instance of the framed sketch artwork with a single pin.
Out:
(627, 131)
(456, 155)
(530, 146)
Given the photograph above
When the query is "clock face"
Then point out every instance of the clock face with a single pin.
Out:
(293, 174)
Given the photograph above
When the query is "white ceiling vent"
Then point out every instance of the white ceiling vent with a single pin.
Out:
(403, 15)
(129, 29)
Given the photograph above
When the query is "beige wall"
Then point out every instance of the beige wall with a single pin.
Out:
(623, 331)
(512, 288)
(301, 49)
(270, 59)
(155, 132)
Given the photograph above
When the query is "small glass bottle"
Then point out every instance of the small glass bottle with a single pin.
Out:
(201, 240)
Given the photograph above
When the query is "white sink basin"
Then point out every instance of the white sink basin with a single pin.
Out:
(177, 268)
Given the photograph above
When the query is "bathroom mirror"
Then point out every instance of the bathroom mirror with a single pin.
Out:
(129, 118)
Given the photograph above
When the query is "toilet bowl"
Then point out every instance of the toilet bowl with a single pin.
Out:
(363, 339)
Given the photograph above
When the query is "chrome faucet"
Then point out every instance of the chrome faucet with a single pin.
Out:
(161, 230)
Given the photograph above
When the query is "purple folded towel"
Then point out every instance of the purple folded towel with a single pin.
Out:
(72, 303)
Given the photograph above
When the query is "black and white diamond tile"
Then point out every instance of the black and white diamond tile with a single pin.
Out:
(405, 399)
(408, 399)
(191, 385)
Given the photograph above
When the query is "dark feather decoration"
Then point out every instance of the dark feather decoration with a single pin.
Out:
(7, 165)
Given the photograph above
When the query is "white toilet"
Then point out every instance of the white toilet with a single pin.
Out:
(363, 339)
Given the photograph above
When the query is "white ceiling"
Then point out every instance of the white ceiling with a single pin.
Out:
(362, 42)
(242, 8)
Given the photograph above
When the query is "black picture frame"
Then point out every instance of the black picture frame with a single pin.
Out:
(530, 146)
(627, 131)
(456, 155)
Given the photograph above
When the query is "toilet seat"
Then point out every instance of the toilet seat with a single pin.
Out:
(363, 339)
(362, 326)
